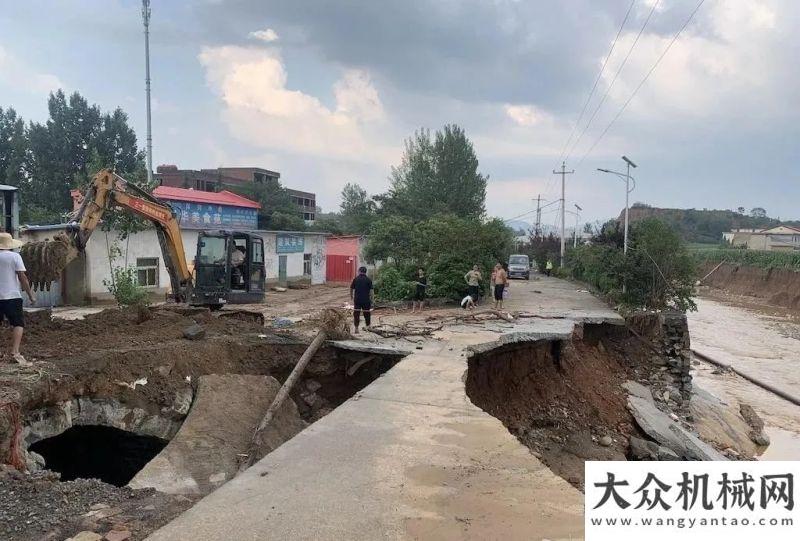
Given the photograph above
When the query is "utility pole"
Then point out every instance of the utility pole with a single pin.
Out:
(577, 219)
(627, 197)
(538, 229)
(146, 21)
(563, 174)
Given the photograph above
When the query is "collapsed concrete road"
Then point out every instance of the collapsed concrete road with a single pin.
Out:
(411, 457)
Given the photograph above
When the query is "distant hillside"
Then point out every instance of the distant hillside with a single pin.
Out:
(704, 226)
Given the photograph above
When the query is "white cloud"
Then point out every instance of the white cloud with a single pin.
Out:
(16, 72)
(356, 97)
(524, 115)
(269, 35)
(262, 111)
(730, 68)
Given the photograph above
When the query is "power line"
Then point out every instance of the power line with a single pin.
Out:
(641, 84)
(596, 81)
(614, 79)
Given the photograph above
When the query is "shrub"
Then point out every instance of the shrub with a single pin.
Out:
(391, 284)
(125, 288)
(658, 271)
(446, 276)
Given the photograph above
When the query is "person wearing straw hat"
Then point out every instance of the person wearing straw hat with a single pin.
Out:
(12, 276)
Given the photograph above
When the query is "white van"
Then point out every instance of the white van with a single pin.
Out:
(519, 266)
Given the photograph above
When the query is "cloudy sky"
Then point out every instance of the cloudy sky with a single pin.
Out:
(325, 91)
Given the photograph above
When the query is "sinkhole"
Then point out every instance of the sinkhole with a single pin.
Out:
(98, 452)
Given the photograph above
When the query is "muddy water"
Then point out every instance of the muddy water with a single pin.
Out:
(766, 345)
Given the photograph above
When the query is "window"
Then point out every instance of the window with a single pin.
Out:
(258, 251)
(307, 264)
(213, 251)
(147, 271)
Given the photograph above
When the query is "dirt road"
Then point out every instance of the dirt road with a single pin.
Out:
(764, 343)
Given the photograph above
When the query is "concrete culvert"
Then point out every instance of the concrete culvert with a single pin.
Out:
(98, 452)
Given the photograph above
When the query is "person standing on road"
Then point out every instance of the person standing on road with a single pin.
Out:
(548, 268)
(419, 295)
(500, 282)
(12, 277)
(361, 294)
(473, 279)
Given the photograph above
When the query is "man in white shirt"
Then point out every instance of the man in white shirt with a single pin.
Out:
(12, 276)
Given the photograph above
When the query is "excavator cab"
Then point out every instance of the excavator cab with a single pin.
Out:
(229, 269)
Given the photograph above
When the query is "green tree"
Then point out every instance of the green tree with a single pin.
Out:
(63, 153)
(357, 210)
(437, 176)
(13, 147)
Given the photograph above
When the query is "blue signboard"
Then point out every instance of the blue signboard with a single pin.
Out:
(208, 216)
(289, 244)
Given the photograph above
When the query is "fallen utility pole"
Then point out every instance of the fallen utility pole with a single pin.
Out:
(334, 325)
(563, 174)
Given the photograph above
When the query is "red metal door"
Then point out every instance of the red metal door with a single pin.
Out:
(340, 268)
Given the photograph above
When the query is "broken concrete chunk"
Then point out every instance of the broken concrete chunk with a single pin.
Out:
(643, 449)
(194, 332)
(668, 433)
(720, 423)
(637, 389)
(665, 453)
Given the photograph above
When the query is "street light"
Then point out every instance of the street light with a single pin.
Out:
(628, 189)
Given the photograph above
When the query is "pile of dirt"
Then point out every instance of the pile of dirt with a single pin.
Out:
(562, 399)
(116, 329)
(39, 506)
(777, 287)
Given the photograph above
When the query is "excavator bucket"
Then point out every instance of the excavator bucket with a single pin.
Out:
(45, 260)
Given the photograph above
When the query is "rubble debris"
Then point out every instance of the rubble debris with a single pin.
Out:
(194, 332)
(718, 422)
(668, 433)
(756, 424)
(282, 322)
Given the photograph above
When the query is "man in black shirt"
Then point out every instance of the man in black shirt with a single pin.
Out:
(361, 295)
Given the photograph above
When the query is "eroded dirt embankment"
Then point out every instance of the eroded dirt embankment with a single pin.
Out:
(563, 399)
(777, 287)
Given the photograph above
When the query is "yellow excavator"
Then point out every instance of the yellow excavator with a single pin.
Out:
(228, 267)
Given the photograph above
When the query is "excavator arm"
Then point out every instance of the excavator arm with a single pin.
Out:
(106, 191)
(110, 190)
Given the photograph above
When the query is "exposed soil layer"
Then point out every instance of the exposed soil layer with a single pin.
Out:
(562, 399)
(777, 287)
(146, 363)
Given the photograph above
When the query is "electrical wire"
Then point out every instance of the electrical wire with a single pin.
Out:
(614, 79)
(641, 84)
(596, 82)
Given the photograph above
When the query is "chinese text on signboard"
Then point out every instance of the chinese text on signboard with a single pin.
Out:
(206, 216)
(289, 244)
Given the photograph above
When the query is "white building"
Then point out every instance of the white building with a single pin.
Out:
(84, 280)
